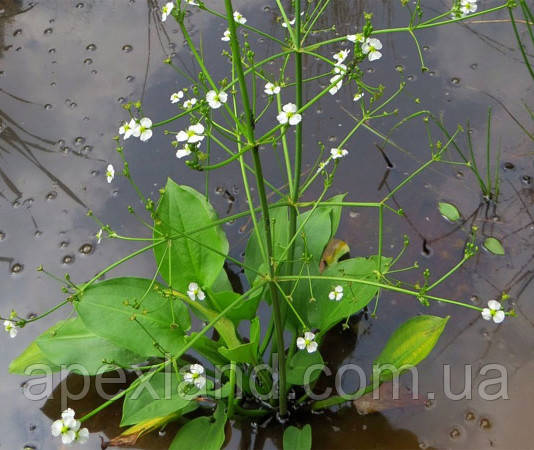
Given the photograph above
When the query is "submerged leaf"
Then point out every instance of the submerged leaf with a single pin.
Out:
(298, 439)
(202, 433)
(30, 358)
(449, 211)
(304, 368)
(493, 245)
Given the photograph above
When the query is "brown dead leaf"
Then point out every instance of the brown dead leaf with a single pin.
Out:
(385, 398)
(334, 250)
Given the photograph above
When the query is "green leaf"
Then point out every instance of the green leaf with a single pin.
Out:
(245, 353)
(69, 342)
(202, 433)
(183, 210)
(157, 397)
(335, 213)
(304, 367)
(128, 313)
(494, 246)
(245, 310)
(31, 356)
(449, 211)
(209, 349)
(409, 345)
(298, 439)
(324, 313)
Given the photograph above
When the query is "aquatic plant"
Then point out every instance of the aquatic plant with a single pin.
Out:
(293, 261)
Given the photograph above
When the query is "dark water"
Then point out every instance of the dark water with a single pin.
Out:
(65, 69)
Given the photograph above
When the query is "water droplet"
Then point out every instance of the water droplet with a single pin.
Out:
(91, 47)
(17, 32)
(16, 268)
(38, 234)
(79, 140)
(130, 78)
(52, 195)
(455, 433)
(48, 106)
(86, 249)
(68, 259)
(485, 424)
(474, 66)
(127, 48)
(526, 179)
(49, 31)
(87, 148)
(63, 244)
(455, 81)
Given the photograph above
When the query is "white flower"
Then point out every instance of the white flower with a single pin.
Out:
(110, 173)
(128, 129)
(358, 96)
(192, 135)
(271, 89)
(291, 22)
(99, 236)
(289, 115)
(341, 56)
(185, 151)
(371, 48)
(338, 153)
(10, 328)
(195, 376)
(194, 292)
(358, 37)
(145, 129)
(340, 68)
(69, 429)
(191, 2)
(338, 80)
(188, 104)
(307, 342)
(239, 18)
(226, 36)
(166, 10)
(468, 7)
(493, 312)
(216, 99)
(336, 294)
(177, 96)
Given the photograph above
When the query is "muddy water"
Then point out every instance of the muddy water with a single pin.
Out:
(65, 69)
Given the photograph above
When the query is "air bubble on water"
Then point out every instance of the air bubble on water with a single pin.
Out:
(455, 81)
(80, 5)
(37, 234)
(121, 100)
(91, 47)
(455, 433)
(474, 299)
(79, 140)
(484, 423)
(48, 106)
(17, 268)
(48, 31)
(52, 51)
(88, 61)
(411, 77)
(17, 32)
(508, 166)
(474, 66)
(86, 249)
(126, 48)
(470, 416)
(52, 195)
(73, 105)
(130, 78)
(28, 202)
(87, 148)
(68, 259)
(526, 179)
(94, 72)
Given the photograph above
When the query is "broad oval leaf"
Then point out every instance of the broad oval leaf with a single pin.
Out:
(158, 397)
(183, 260)
(30, 358)
(408, 346)
(298, 439)
(493, 245)
(449, 211)
(202, 433)
(304, 368)
(70, 343)
(131, 314)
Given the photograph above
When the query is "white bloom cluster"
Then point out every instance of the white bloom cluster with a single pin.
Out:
(195, 376)
(307, 342)
(69, 429)
(110, 173)
(271, 89)
(216, 99)
(468, 6)
(191, 138)
(166, 10)
(336, 294)
(239, 18)
(11, 328)
(289, 115)
(194, 292)
(141, 129)
(340, 69)
(493, 312)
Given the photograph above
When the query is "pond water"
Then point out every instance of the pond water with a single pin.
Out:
(67, 67)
